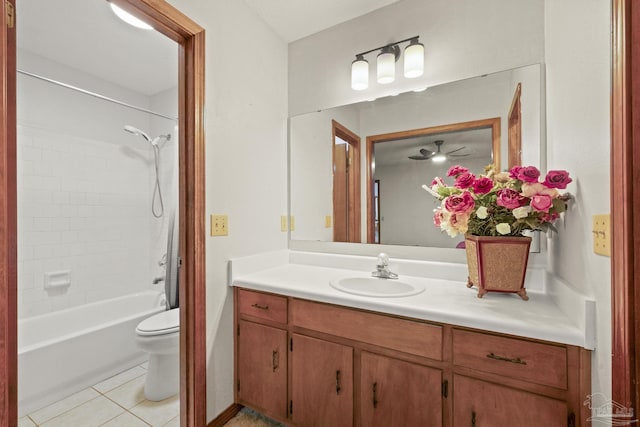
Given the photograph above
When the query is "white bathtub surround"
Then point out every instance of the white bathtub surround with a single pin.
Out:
(66, 351)
(446, 297)
(117, 401)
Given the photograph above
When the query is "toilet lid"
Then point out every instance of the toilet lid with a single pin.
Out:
(162, 323)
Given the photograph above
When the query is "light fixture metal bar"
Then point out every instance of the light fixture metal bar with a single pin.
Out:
(95, 95)
(388, 45)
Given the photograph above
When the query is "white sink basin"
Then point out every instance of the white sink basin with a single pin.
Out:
(376, 287)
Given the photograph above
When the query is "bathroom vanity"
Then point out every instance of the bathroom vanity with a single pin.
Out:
(309, 355)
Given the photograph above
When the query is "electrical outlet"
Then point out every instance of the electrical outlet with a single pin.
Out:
(602, 234)
(327, 221)
(219, 225)
(292, 223)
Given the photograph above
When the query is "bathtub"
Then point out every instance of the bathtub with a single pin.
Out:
(66, 351)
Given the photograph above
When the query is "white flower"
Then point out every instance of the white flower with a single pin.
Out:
(431, 191)
(503, 228)
(522, 212)
(482, 212)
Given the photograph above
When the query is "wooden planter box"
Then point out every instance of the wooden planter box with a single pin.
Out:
(497, 264)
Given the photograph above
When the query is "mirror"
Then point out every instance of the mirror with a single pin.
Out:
(395, 138)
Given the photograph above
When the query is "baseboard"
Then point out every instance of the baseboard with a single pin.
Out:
(225, 416)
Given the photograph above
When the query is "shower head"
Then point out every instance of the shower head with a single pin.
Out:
(137, 131)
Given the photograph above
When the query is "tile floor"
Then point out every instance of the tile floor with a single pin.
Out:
(115, 402)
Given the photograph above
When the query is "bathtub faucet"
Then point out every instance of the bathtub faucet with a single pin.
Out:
(158, 280)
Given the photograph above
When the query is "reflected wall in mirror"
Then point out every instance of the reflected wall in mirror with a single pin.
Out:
(489, 97)
(400, 161)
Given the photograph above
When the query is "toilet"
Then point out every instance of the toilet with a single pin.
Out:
(159, 336)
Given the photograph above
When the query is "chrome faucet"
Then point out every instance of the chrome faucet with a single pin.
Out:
(382, 268)
(158, 280)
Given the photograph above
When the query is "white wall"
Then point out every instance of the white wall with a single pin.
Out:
(578, 125)
(246, 161)
(84, 190)
(462, 38)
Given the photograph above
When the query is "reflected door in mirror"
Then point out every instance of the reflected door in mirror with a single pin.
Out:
(346, 184)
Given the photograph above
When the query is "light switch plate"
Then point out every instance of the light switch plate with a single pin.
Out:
(283, 223)
(292, 223)
(602, 234)
(327, 221)
(219, 225)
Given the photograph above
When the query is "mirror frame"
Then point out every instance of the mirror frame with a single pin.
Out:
(492, 123)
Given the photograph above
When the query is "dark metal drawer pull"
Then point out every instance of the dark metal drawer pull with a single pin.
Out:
(261, 307)
(375, 395)
(275, 360)
(506, 359)
(338, 382)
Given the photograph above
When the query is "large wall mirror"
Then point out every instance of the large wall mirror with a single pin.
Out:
(395, 144)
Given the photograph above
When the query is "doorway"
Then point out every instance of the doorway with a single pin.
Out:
(190, 37)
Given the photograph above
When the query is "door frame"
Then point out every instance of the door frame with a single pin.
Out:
(191, 61)
(353, 180)
(625, 202)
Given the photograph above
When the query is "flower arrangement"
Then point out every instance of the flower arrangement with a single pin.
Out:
(499, 204)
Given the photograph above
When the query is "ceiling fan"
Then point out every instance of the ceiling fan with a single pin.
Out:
(437, 156)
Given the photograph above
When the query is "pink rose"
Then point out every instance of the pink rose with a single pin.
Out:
(530, 190)
(515, 171)
(464, 180)
(459, 203)
(509, 198)
(557, 179)
(541, 203)
(436, 181)
(482, 185)
(550, 217)
(456, 170)
(528, 174)
(437, 217)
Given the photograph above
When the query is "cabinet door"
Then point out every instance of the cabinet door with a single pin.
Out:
(321, 383)
(262, 368)
(481, 404)
(398, 393)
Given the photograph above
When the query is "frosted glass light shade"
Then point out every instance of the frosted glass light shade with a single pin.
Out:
(386, 67)
(130, 19)
(414, 60)
(359, 74)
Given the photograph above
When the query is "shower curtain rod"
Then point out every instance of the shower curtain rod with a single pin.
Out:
(96, 95)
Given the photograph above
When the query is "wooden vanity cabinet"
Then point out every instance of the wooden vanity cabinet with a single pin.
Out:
(398, 393)
(261, 343)
(321, 383)
(351, 367)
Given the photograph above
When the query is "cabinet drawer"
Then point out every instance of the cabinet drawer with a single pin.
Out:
(264, 306)
(535, 362)
(408, 336)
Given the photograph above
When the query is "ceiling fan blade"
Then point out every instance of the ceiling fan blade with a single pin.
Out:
(458, 155)
(419, 157)
(457, 149)
(426, 152)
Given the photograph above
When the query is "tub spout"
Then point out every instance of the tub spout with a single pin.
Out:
(158, 280)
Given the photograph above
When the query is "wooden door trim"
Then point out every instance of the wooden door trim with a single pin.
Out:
(191, 39)
(8, 223)
(625, 200)
(353, 203)
(493, 123)
(515, 122)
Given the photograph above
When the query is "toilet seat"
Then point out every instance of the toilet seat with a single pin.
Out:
(163, 323)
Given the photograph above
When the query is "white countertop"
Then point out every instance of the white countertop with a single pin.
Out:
(444, 300)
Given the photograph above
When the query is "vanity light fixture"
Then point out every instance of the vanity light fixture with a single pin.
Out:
(129, 18)
(386, 63)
